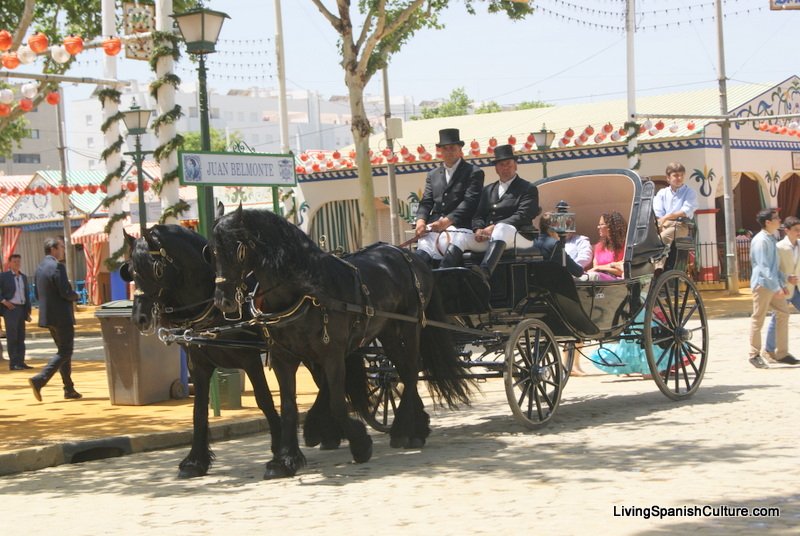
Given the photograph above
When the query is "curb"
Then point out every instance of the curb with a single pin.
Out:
(35, 458)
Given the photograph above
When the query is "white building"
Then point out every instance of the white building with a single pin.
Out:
(39, 150)
(315, 122)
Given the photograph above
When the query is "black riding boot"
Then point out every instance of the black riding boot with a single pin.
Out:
(491, 258)
(424, 255)
(452, 257)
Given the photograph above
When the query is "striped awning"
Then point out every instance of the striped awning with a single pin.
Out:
(12, 181)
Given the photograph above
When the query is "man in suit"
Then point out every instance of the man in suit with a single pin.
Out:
(16, 310)
(789, 264)
(451, 196)
(56, 298)
(505, 205)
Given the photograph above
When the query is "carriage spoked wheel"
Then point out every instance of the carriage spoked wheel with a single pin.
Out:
(383, 387)
(534, 375)
(675, 335)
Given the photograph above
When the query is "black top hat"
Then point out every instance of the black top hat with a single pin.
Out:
(449, 136)
(503, 152)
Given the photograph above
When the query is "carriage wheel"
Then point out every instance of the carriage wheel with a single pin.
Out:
(534, 374)
(383, 388)
(675, 334)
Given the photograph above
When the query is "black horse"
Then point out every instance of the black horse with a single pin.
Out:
(174, 288)
(323, 308)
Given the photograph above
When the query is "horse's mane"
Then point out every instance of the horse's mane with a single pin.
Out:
(182, 245)
(283, 248)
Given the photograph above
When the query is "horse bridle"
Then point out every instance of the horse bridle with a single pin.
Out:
(240, 293)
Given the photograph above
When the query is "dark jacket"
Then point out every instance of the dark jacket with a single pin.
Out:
(8, 287)
(457, 199)
(54, 293)
(551, 249)
(518, 206)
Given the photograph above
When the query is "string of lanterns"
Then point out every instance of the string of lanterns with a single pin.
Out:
(16, 191)
(318, 161)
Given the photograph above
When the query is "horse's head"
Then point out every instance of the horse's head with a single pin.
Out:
(165, 265)
(233, 253)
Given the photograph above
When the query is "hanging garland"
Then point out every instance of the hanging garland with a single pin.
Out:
(113, 260)
(167, 47)
(632, 128)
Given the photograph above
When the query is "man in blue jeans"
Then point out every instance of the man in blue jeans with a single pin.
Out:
(789, 263)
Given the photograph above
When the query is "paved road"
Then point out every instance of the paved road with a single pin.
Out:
(615, 443)
(86, 348)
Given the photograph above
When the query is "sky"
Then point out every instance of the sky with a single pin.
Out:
(564, 53)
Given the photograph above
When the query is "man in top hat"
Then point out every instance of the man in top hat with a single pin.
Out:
(505, 206)
(451, 196)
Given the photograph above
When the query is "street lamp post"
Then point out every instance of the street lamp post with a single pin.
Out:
(544, 139)
(136, 120)
(200, 29)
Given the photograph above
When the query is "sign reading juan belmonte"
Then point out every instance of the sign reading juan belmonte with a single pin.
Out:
(236, 169)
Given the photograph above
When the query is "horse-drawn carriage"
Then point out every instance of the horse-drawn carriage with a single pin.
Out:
(371, 324)
(536, 310)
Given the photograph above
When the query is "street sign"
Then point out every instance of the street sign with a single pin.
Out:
(236, 169)
(778, 5)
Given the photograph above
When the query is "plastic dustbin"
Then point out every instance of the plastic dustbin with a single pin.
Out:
(231, 383)
(140, 368)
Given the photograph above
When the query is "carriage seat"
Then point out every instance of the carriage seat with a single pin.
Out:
(530, 253)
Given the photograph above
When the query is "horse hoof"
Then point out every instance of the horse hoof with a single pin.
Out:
(363, 455)
(312, 439)
(191, 471)
(330, 444)
(398, 442)
(415, 443)
(276, 469)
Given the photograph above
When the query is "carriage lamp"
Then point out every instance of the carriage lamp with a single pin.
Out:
(544, 139)
(200, 28)
(562, 220)
(136, 120)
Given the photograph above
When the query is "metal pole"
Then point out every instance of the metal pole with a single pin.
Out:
(394, 220)
(633, 132)
(283, 111)
(138, 157)
(544, 163)
(62, 157)
(205, 194)
(730, 230)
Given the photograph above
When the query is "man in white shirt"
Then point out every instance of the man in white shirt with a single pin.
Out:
(580, 249)
(789, 263)
(673, 203)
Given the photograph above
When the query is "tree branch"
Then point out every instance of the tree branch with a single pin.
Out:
(365, 28)
(382, 30)
(25, 21)
(335, 21)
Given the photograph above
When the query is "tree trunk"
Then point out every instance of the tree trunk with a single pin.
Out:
(361, 130)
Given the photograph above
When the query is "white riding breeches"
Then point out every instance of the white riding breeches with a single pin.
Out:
(466, 240)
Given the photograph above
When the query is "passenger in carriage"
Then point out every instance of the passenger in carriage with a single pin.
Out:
(505, 205)
(609, 252)
(452, 193)
(672, 204)
(549, 244)
(580, 249)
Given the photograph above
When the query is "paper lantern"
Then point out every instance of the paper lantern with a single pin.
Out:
(55, 190)
(475, 152)
(659, 125)
(653, 131)
(782, 130)
(568, 134)
(648, 124)
(599, 138)
(336, 155)
(320, 156)
(492, 142)
(41, 190)
(66, 189)
(112, 46)
(6, 40)
(59, 54)
(10, 60)
(73, 44)
(562, 143)
(53, 98)
(579, 141)
(589, 130)
(352, 154)
(6, 96)
(690, 125)
(304, 157)
(26, 105)
(38, 42)
(14, 191)
(28, 191)
(329, 164)
(315, 167)
(622, 131)
(512, 140)
(420, 149)
(794, 125)
(530, 139)
(608, 128)
(583, 137)
(29, 90)
(145, 186)
(131, 186)
(104, 188)
(5, 109)
(474, 145)
(763, 126)
(615, 136)
(642, 129)
(386, 152)
(92, 188)
(26, 55)
(673, 128)
(403, 150)
(427, 157)
(79, 189)
(3, 190)
(773, 129)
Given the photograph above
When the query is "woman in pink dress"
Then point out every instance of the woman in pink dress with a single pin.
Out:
(609, 252)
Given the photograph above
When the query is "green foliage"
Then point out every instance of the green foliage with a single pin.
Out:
(457, 104)
(529, 105)
(488, 108)
(191, 140)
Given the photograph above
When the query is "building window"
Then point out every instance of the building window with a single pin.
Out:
(90, 143)
(27, 159)
(33, 133)
(89, 120)
(192, 111)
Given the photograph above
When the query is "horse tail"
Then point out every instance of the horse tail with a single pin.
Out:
(447, 379)
(355, 382)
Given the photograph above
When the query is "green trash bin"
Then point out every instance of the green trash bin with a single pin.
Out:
(230, 383)
(140, 368)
